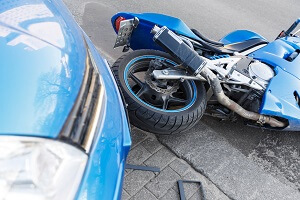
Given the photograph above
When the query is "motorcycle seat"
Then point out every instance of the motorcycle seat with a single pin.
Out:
(220, 47)
(245, 45)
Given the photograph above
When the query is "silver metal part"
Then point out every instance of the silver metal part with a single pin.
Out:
(298, 31)
(165, 72)
(225, 67)
(258, 78)
(156, 85)
(261, 73)
(227, 102)
(154, 30)
(175, 74)
(125, 31)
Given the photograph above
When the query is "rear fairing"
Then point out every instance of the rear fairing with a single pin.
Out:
(142, 38)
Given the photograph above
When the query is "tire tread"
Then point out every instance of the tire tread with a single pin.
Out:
(149, 120)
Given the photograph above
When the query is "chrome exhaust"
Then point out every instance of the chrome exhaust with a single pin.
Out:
(227, 102)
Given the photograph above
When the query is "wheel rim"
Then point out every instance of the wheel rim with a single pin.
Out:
(134, 75)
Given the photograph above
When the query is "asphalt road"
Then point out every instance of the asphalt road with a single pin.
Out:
(244, 162)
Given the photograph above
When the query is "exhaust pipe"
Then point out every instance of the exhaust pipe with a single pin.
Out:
(227, 102)
(197, 66)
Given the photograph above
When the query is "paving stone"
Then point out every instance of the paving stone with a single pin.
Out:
(171, 194)
(151, 144)
(138, 155)
(163, 182)
(191, 188)
(125, 195)
(236, 175)
(136, 180)
(161, 158)
(179, 166)
(144, 194)
(137, 136)
(127, 171)
(197, 196)
(210, 195)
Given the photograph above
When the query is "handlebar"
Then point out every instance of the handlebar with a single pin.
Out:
(294, 25)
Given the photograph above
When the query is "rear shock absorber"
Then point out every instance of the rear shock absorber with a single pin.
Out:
(219, 56)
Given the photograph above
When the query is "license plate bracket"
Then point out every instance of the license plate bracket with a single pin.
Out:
(125, 31)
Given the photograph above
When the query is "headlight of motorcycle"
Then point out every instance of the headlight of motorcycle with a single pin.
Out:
(36, 168)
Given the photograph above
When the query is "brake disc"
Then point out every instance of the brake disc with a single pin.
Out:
(161, 86)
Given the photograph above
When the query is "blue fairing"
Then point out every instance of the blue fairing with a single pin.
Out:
(142, 38)
(279, 99)
(240, 36)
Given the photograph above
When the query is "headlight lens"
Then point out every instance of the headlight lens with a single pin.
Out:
(36, 168)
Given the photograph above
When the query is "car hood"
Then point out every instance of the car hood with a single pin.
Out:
(42, 59)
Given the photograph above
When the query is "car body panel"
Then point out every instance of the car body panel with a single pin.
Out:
(279, 99)
(41, 67)
(109, 154)
(41, 74)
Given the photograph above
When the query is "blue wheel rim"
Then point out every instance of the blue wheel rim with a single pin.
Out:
(133, 61)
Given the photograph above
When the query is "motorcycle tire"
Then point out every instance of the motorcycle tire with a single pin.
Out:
(149, 116)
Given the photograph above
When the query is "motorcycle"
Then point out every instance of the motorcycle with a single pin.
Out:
(174, 75)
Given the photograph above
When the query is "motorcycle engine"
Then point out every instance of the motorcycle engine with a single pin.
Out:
(257, 72)
(260, 73)
(247, 80)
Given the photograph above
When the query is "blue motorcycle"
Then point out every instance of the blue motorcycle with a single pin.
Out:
(174, 75)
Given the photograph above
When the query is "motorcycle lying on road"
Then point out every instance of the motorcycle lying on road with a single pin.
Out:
(175, 74)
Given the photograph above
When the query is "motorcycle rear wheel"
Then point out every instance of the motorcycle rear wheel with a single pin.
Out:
(158, 106)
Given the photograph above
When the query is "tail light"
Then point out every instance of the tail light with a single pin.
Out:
(118, 22)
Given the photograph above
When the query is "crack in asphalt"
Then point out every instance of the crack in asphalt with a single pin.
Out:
(193, 166)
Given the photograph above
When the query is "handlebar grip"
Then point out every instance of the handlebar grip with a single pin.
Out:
(294, 25)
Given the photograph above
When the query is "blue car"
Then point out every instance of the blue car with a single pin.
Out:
(64, 132)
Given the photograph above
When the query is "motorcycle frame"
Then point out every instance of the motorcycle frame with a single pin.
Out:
(278, 100)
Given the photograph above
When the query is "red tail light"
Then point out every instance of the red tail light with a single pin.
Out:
(118, 22)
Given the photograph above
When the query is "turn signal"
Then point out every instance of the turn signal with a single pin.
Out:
(118, 22)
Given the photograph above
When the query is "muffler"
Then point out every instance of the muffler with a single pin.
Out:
(197, 66)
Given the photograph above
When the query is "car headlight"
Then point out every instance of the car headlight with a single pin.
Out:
(37, 168)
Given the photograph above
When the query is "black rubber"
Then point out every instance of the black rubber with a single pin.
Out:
(152, 120)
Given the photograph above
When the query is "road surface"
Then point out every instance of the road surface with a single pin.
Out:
(244, 162)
